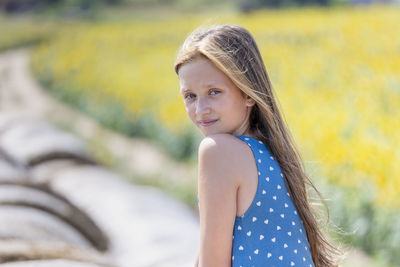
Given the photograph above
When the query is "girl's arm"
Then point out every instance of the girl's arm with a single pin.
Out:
(196, 263)
(217, 185)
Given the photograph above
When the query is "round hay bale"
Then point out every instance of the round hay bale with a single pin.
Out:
(144, 225)
(46, 171)
(24, 223)
(7, 119)
(10, 172)
(33, 142)
(49, 263)
(43, 252)
(23, 203)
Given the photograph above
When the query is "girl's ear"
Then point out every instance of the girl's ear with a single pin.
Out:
(250, 101)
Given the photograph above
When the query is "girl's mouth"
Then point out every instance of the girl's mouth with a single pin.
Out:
(207, 123)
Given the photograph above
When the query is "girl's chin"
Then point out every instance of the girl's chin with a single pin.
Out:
(207, 133)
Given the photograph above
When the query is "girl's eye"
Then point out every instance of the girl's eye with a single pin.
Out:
(216, 91)
(188, 96)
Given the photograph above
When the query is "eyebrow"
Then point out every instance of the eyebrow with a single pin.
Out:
(184, 91)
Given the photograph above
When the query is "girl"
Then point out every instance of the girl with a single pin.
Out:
(253, 203)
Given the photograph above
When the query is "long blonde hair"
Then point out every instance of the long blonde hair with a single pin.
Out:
(234, 51)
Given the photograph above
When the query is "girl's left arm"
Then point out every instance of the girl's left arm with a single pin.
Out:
(217, 185)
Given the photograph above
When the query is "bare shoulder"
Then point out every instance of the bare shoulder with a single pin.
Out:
(225, 153)
(220, 143)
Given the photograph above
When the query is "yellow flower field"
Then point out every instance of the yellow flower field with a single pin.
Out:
(336, 73)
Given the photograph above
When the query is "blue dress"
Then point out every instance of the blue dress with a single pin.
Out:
(270, 232)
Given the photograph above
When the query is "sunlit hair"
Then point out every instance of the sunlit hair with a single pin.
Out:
(234, 51)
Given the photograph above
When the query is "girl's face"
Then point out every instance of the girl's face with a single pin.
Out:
(212, 101)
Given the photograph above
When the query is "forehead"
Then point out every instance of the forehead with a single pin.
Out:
(201, 72)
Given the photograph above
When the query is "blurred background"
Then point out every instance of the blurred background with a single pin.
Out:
(334, 65)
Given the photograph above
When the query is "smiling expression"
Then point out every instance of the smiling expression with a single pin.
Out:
(212, 101)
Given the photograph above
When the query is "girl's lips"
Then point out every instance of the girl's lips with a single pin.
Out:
(205, 124)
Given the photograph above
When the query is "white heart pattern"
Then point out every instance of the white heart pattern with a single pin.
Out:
(271, 168)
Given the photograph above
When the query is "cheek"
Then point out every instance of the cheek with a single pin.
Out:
(231, 106)
(237, 109)
(189, 109)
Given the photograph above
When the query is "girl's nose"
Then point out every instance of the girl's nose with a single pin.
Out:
(202, 107)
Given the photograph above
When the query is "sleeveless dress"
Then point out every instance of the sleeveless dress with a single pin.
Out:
(270, 232)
